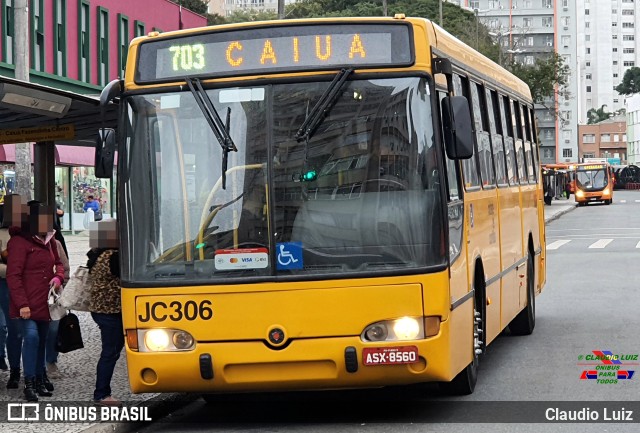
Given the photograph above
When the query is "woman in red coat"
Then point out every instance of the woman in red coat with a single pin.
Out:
(33, 267)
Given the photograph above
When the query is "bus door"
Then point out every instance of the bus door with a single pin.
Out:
(459, 281)
(482, 203)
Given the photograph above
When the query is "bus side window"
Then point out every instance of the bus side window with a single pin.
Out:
(517, 128)
(509, 149)
(528, 145)
(534, 143)
(483, 141)
(496, 136)
(469, 166)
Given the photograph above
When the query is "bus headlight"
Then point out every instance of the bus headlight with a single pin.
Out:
(579, 193)
(606, 191)
(165, 340)
(403, 329)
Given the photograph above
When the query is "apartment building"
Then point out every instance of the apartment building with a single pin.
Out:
(227, 7)
(607, 48)
(531, 29)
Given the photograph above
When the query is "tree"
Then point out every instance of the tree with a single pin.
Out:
(241, 16)
(597, 115)
(215, 19)
(630, 82)
(544, 77)
(197, 6)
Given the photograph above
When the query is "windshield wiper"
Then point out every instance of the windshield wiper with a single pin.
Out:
(220, 130)
(322, 107)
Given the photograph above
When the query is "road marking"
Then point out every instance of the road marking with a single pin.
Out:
(601, 243)
(623, 201)
(638, 245)
(557, 244)
(637, 201)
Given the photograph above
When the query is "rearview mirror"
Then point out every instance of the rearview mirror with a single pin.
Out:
(105, 153)
(457, 127)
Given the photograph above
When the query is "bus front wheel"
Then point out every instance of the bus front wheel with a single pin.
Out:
(465, 382)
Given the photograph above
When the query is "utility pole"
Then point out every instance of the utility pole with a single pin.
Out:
(21, 63)
(440, 7)
(384, 8)
(280, 9)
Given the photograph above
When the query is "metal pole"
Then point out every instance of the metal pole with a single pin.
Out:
(384, 8)
(280, 9)
(477, 28)
(440, 7)
(21, 63)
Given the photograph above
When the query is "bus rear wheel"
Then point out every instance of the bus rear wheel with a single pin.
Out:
(525, 321)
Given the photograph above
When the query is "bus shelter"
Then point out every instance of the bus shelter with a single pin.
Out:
(45, 116)
(556, 181)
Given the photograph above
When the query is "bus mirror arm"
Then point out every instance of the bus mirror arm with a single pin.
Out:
(457, 127)
(106, 141)
(109, 93)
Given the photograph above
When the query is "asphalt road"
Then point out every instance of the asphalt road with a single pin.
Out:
(590, 303)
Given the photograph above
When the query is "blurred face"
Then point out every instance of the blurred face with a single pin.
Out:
(104, 234)
(41, 220)
(15, 210)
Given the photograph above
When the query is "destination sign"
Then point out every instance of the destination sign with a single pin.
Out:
(591, 167)
(274, 49)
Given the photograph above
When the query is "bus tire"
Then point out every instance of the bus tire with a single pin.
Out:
(465, 382)
(525, 321)
(608, 201)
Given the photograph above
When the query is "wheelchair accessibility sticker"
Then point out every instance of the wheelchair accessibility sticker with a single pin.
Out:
(289, 255)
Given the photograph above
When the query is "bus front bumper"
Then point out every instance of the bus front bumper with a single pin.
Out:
(323, 363)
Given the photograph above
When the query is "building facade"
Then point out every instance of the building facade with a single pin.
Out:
(633, 129)
(527, 30)
(607, 44)
(80, 46)
(607, 139)
(227, 7)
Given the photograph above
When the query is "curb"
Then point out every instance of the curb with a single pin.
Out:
(159, 407)
(559, 214)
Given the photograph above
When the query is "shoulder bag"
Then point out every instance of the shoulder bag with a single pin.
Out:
(76, 295)
(56, 311)
(69, 334)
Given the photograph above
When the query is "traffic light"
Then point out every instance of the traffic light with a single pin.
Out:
(308, 176)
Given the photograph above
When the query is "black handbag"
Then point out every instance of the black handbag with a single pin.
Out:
(69, 335)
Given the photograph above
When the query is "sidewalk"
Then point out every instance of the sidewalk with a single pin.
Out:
(558, 208)
(78, 369)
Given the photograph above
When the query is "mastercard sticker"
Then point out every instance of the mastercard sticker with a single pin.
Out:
(241, 258)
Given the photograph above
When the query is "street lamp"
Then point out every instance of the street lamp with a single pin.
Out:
(499, 37)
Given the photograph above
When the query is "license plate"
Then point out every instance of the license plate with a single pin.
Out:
(389, 355)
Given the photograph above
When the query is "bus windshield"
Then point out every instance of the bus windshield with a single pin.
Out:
(360, 195)
(595, 179)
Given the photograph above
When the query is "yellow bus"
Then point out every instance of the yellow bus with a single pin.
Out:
(322, 204)
(594, 182)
